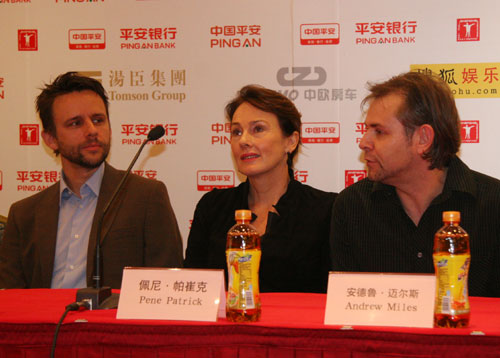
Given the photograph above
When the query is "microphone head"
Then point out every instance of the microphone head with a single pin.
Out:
(156, 133)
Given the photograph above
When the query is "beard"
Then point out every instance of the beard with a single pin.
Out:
(376, 175)
(75, 155)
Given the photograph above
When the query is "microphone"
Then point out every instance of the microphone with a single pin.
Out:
(97, 295)
(155, 133)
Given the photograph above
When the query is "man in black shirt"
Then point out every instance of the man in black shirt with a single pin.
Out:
(386, 222)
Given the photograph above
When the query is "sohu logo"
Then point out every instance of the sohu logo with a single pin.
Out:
(301, 76)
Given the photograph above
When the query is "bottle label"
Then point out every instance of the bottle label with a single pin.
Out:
(451, 283)
(243, 278)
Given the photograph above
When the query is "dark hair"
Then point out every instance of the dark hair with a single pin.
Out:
(428, 100)
(64, 84)
(272, 102)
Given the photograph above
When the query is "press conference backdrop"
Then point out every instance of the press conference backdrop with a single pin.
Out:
(177, 63)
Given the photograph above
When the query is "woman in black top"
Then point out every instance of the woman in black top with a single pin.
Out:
(293, 219)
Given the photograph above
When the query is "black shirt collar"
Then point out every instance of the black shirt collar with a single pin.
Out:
(458, 179)
(285, 203)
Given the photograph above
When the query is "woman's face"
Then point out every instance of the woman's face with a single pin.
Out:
(258, 144)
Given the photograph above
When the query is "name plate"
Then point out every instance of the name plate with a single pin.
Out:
(172, 294)
(380, 299)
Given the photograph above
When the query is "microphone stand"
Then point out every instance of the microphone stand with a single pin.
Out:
(97, 295)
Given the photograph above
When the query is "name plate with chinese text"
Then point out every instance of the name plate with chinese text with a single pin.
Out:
(172, 294)
(380, 299)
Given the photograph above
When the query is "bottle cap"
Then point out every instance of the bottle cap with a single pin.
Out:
(243, 214)
(451, 216)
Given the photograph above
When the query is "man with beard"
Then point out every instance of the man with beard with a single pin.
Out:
(50, 237)
(386, 222)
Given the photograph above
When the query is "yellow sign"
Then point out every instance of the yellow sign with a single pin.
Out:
(467, 80)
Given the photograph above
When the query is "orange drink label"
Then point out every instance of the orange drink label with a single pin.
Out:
(243, 278)
(451, 283)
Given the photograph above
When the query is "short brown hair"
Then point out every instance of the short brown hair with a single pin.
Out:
(270, 101)
(428, 100)
(66, 83)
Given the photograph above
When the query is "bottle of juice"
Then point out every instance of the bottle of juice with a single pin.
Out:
(243, 260)
(451, 262)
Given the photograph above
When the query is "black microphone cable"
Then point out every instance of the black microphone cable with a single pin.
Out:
(75, 306)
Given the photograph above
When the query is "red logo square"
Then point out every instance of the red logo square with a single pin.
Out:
(87, 39)
(1, 180)
(468, 29)
(353, 176)
(27, 40)
(469, 131)
(29, 134)
(321, 132)
(210, 179)
(320, 34)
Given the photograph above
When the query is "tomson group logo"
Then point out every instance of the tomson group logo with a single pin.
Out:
(307, 82)
(27, 40)
(468, 29)
(388, 32)
(29, 134)
(141, 85)
(148, 38)
(469, 131)
(87, 39)
(235, 36)
(353, 176)
(210, 179)
(320, 34)
(321, 132)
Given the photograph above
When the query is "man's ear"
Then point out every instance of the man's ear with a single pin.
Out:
(425, 138)
(50, 141)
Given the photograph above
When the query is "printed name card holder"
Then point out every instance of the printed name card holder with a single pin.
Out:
(380, 299)
(172, 294)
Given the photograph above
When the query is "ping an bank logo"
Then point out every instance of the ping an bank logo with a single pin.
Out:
(320, 34)
(87, 39)
(321, 132)
(469, 131)
(215, 179)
